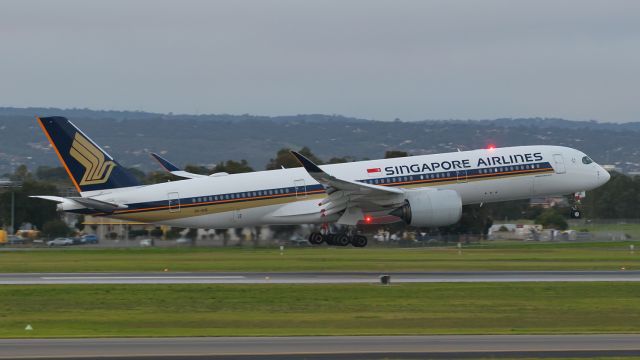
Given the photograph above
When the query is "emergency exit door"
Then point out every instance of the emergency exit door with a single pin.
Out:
(174, 201)
(558, 164)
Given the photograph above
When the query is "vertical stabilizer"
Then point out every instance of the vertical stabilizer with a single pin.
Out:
(89, 167)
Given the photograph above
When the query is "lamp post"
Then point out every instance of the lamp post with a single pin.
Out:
(11, 185)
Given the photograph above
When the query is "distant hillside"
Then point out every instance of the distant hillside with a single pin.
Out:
(209, 139)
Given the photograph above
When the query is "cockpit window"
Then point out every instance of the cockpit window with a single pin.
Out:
(586, 160)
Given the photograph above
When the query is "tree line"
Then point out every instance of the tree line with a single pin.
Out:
(616, 199)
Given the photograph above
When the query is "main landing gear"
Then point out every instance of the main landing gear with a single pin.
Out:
(340, 239)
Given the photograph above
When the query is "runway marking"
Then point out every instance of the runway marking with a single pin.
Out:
(159, 277)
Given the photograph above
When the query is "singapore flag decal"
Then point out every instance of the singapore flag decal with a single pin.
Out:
(374, 171)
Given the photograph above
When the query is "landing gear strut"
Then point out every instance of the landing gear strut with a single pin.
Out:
(575, 207)
(340, 239)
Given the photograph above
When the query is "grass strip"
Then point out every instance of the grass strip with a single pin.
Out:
(498, 256)
(363, 309)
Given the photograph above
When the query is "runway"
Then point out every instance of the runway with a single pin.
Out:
(352, 347)
(313, 277)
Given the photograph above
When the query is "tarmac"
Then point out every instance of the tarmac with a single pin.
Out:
(169, 277)
(327, 347)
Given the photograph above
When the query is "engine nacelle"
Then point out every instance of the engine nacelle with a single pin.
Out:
(425, 208)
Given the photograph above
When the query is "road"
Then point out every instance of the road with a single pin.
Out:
(313, 277)
(442, 346)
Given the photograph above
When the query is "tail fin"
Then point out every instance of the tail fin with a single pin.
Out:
(89, 167)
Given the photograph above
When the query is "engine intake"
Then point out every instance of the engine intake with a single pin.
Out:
(426, 208)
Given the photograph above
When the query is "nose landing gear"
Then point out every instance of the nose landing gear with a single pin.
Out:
(576, 213)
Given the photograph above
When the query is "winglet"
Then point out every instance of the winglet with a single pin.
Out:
(307, 164)
(169, 167)
(331, 183)
(165, 163)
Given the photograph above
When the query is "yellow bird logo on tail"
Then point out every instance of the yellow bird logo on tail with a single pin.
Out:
(97, 170)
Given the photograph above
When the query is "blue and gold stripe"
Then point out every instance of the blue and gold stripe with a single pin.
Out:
(289, 194)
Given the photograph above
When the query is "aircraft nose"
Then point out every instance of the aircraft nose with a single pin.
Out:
(603, 175)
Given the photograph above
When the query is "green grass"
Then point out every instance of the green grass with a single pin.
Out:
(632, 230)
(486, 256)
(238, 310)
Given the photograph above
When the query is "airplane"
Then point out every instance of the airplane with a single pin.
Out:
(422, 191)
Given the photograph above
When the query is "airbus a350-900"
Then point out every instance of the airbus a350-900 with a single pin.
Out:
(423, 191)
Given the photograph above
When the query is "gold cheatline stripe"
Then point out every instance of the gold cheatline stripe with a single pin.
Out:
(189, 210)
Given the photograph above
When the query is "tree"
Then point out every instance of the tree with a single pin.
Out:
(474, 220)
(197, 169)
(339, 160)
(156, 177)
(233, 167)
(550, 218)
(395, 154)
(286, 159)
(137, 173)
(56, 174)
(156, 232)
(618, 198)
(79, 223)
(34, 211)
(21, 174)
(55, 228)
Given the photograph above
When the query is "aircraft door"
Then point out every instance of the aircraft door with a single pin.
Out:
(174, 201)
(301, 188)
(237, 215)
(559, 164)
(461, 176)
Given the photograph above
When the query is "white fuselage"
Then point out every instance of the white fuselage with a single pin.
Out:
(291, 196)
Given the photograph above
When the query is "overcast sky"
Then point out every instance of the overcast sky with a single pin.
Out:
(380, 60)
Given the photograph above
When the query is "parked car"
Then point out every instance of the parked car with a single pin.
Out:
(183, 241)
(89, 239)
(14, 239)
(146, 242)
(60, 242)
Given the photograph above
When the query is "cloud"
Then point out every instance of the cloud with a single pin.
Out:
(374, 59)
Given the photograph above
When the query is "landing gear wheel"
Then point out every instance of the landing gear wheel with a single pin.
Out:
(575, 212)
(329, 239)
(342, 239)
(359, 241)
(316, 238)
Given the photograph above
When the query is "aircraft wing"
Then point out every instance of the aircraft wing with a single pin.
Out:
(332, 183)
(174, 169)
(351, 198)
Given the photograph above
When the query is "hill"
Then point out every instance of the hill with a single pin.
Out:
(209, 139)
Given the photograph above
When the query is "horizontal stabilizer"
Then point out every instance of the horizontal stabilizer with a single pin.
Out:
(87, 202)
(98, 204)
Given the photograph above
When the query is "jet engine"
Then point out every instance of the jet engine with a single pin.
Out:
(425, 208)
